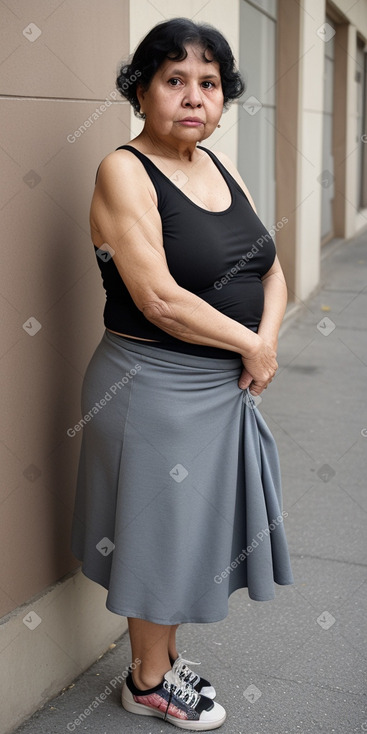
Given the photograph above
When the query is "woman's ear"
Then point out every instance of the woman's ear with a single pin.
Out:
(140, 95)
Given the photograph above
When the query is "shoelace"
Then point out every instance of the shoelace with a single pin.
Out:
(185, 692)
(184, 672)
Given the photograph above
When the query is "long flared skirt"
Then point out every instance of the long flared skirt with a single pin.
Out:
(178, 500)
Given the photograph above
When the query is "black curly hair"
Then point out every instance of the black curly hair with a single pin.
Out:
(168, 40)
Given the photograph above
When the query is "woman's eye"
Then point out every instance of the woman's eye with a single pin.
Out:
(174, 82)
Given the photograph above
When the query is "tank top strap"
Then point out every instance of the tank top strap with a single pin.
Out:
(232, 183)
(151, 167)
(144, 159)
(154, 173)
(147, 163)
(234, 186)
(159, 179)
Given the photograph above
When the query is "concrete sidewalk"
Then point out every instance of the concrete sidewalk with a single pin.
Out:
(295, 665)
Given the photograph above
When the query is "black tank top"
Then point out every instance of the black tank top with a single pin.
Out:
(219, 256)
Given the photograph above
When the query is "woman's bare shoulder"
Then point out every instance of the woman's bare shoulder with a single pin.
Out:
(117, 163)
(121, 171)
(231, 168)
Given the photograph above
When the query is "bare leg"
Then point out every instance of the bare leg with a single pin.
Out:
(172, 649)
(149, 643)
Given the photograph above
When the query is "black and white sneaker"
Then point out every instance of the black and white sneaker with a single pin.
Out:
(173, 701)
(201, 685)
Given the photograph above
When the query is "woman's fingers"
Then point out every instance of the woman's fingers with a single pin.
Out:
(262, 366)
(257, 388)
(245, 379)
(259, 369)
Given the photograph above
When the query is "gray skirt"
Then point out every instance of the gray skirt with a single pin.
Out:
(178, 500)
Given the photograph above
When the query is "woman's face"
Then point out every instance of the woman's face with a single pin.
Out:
(181, 89)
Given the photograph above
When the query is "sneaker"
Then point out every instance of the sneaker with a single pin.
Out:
(201, 685)
(175, 702)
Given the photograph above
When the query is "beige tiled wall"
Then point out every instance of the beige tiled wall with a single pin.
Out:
(58, 64)
(60, 48)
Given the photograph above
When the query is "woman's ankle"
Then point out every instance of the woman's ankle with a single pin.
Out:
(144, 680)
(173, 655)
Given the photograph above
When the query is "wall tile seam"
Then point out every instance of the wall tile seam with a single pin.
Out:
(24, 98)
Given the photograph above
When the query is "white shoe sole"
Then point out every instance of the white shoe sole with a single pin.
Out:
(131, 705)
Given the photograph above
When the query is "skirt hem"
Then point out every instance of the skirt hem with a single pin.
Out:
(196, 620)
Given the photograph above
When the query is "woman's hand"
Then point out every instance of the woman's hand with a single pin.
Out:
(259, 368)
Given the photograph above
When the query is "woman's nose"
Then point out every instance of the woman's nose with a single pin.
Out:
(193, 96)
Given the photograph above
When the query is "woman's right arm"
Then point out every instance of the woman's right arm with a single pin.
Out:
(125, 216)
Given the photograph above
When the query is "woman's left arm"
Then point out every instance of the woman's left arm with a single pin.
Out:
(275, 302)
(275, 289)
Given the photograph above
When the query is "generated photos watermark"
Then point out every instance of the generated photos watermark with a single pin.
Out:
(240, 264)
(112, 684)
(99, 111)
(110, 393)
(246, 551)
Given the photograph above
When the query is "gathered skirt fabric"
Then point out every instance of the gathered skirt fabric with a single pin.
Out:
(178, 500)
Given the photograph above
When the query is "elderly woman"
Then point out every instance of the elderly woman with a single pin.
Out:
(178, 499)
